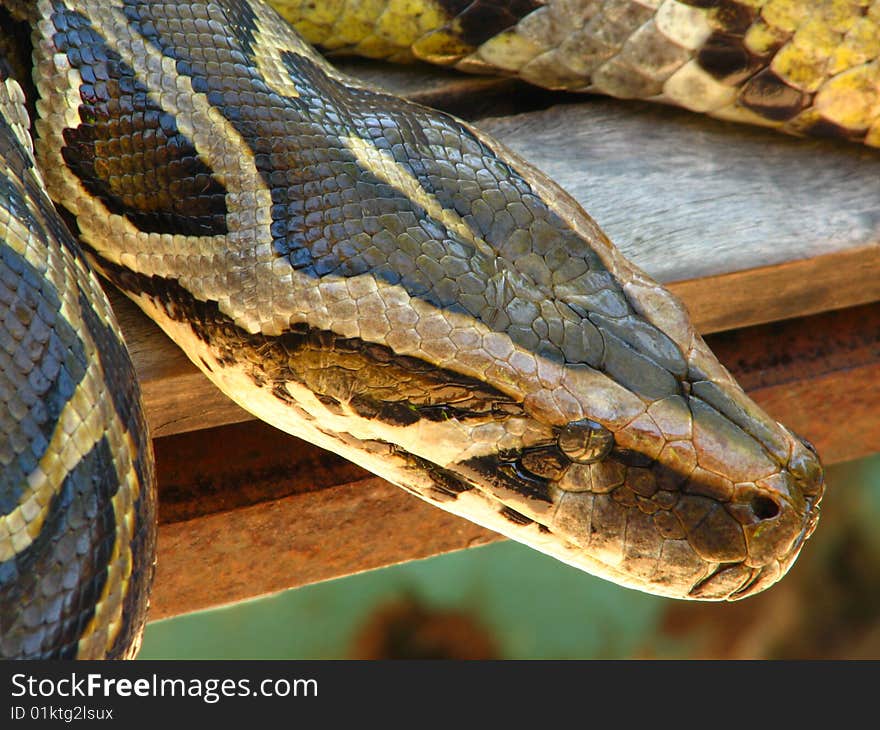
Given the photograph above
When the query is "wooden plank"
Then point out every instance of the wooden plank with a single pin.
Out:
(246, 510)
(266, 510)
(793, 289)
(688, 198)
(227, 557)
(819, 375)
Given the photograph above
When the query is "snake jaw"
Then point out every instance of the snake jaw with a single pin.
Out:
(703, 496)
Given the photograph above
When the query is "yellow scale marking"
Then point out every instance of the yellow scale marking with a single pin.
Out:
(381, 164)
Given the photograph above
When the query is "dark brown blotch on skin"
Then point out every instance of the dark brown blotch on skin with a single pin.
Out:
(480, 20)
(447, 486)
(725, 58)
(825, 129)
(732, 16)
(511, 515)
(546, 462)
(768, 95)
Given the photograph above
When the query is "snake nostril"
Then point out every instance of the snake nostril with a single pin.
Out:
(763, 507)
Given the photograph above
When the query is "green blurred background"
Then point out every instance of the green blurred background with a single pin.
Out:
(507, 601)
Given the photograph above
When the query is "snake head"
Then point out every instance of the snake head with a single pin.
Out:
(645, 462)
(697, 495)
(657, 524)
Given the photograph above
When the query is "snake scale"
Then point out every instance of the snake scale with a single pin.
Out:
(383, 280)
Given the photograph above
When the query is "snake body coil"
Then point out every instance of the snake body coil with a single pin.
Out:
(77, 499)
(388, 283)
(800, 66)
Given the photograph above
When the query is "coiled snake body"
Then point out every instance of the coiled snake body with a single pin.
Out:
(378, 278)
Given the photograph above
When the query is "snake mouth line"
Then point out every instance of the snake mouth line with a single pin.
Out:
(705, 588)
(785, 526)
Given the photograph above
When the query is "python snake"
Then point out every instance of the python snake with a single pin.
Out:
(385, 281)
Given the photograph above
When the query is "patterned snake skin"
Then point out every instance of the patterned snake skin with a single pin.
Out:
(77, 498)
(376, 277)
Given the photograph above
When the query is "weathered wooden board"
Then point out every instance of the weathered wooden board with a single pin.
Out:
(689, 198)
(797, 288)
(463, 94)
(246, 510)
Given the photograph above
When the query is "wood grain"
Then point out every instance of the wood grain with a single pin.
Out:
(246, 510)
(818, 375)
(792, 289)
(226, 557)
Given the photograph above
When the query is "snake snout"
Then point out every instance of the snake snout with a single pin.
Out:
(777, 515)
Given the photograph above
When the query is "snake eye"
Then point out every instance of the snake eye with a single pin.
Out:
(585, 442)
